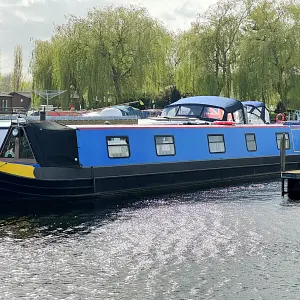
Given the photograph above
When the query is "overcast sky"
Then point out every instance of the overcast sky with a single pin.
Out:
(21, 21)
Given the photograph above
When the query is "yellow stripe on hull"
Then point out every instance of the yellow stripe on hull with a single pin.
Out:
(17, 169)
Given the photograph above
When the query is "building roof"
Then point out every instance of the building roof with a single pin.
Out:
(227, 104)
(24, 94)
(6, 95)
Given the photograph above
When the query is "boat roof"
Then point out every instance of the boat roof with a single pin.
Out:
(151, 126)
(254, 103)
(228, 104)
(126, 108)
(5, 123)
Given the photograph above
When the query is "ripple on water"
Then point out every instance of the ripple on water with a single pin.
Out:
(230, 243)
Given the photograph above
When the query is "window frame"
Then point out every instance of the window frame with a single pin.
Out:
(213, 107)
(121, 137)
(172, 136)
(16, 158)
(4, 144)
(289, 141)
(188, 106)
(29, 145)
(208, 142)
(247, 134)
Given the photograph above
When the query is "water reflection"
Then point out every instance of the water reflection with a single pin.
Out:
(72, 218)
(21, 221)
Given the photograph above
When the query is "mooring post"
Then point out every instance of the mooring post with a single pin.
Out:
(282, 154)
(282, 162)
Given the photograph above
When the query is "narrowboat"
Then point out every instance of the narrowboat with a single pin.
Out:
(198, 142)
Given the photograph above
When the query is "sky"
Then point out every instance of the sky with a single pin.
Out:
(23, 21)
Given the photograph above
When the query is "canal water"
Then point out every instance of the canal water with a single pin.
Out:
(239, 242)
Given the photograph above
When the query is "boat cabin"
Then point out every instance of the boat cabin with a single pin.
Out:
(257, 113)
(45, 143)
(206, 109)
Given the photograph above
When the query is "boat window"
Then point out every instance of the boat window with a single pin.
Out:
(212, 113)
(238, 116)
(169, 111)
(229, 117)
(279, 138)
(8, 150)
(190, 110)
(251, 142)
(246, 115)
(267, 116)
(25, 149)
(254, 110)
(22, 151)
(216, 143)
(255, 115)
(118, 147)
(164, 145)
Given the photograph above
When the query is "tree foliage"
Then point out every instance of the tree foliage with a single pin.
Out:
(209, 50)
(111, 55)
(247, 49)
(269, 60)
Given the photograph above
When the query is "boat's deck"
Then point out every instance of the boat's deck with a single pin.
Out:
(105, 126)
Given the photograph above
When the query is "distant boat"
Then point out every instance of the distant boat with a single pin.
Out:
(199, 142)
(257, 112)
(116, 111)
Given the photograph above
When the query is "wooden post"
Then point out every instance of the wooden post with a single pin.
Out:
(282, 162)
(282, 154)
(17, 145)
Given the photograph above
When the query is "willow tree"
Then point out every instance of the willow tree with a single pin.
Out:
(127, 47)
(270, 53)
(42, 65)
(113, 54)
(195, 72)
(69, 59)
(209, 49)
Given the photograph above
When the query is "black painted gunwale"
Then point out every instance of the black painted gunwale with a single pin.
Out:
(158, 168)
(143, 179)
